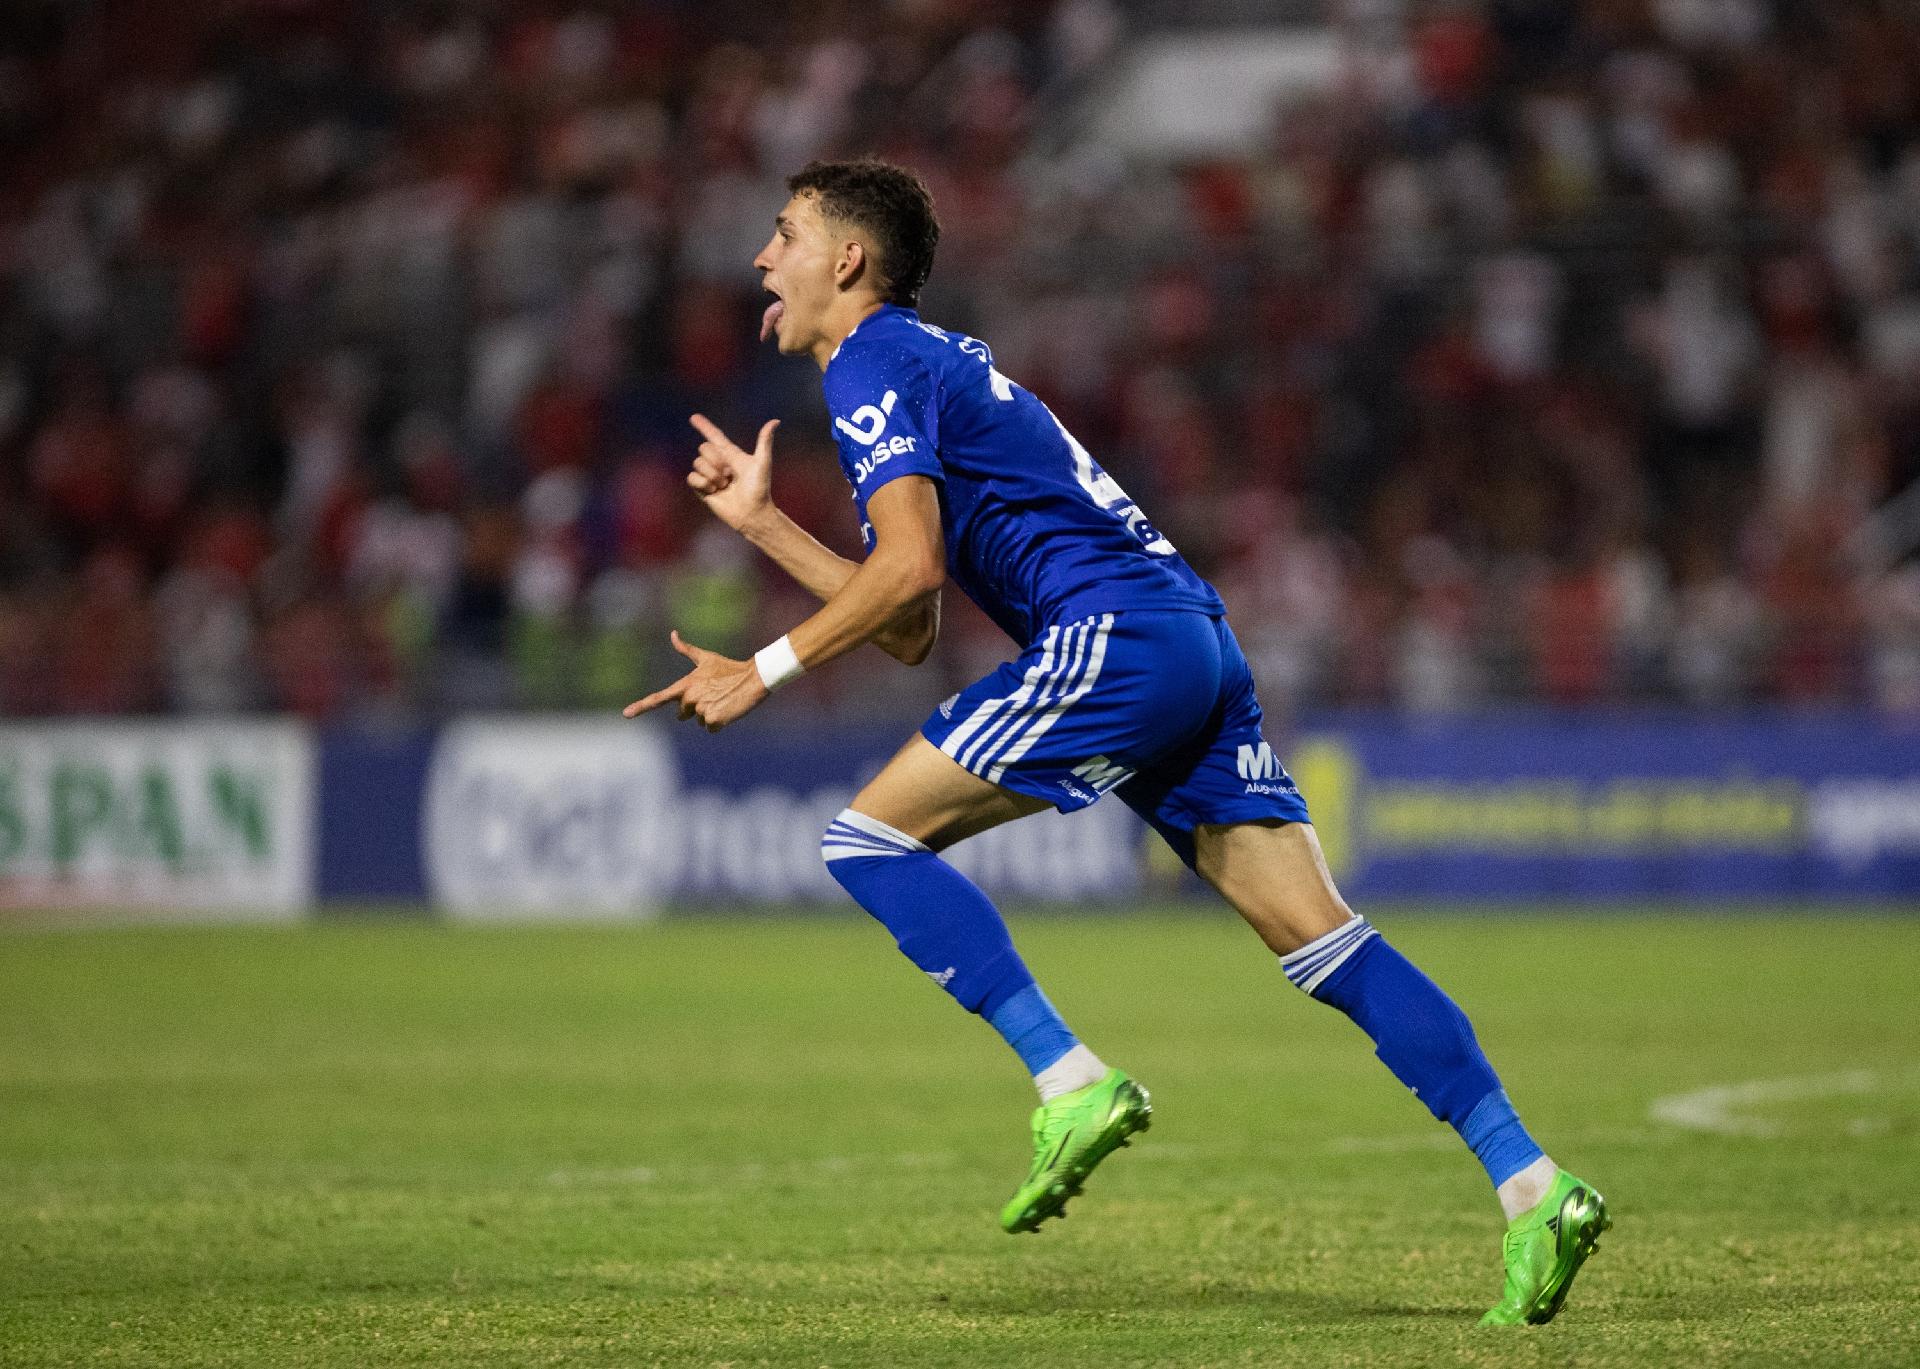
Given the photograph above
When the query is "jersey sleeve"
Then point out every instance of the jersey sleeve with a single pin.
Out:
(884, 402)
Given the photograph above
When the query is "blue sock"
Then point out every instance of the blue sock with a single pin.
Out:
(1421, 1035)
(1494, 1132)
(947, 927)
(1029, 1023)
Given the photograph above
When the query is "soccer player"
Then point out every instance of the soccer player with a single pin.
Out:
(1128, 680)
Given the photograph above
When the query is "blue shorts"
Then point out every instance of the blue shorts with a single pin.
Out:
(1157, 707)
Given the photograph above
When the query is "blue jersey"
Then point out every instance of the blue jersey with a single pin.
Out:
(1037, 534)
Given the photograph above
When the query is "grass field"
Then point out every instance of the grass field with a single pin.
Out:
(770, 1142)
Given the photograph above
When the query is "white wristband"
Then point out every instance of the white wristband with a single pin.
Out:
(777, 663)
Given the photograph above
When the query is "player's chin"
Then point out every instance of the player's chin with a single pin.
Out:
(788, 338)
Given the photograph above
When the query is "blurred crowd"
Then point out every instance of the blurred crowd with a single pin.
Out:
(1556, 352)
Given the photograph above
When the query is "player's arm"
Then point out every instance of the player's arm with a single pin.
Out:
(908, 564)
(908, 636)
(736, 485)
(899, 580)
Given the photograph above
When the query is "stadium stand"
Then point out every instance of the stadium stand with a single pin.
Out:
(1552, 352)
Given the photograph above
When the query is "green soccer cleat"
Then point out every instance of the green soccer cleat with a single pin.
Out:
(1544, 1249)
(1072, 1134)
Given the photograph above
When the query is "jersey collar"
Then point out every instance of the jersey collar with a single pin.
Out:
(880, 313)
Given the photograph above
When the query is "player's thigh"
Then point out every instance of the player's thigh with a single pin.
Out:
(928, 795)
(1229, 808)
(1275, 876)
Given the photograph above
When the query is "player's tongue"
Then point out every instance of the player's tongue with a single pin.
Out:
(771, 318)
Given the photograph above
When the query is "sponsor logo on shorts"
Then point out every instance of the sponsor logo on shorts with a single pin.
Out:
(1102, 774)
(1259, 763)
(1263, 772)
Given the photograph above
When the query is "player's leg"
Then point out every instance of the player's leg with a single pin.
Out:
(1019, 740)
(1237, 819)
(1054, 729)
(1275, 875)
(883, 849)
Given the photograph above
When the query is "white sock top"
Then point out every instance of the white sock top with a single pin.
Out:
(1074, 1070)
(1527, 1189)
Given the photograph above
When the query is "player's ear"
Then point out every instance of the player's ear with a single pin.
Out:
(851, 268)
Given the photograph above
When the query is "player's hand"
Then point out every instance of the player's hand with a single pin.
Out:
(717, 691)
(736, 484)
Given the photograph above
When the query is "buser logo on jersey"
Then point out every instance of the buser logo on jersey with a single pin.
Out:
(893, 446)
(868, 422)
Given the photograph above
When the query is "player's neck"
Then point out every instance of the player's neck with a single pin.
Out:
(848, 313)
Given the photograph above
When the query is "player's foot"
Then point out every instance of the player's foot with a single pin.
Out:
(1544, 1248)
(1072, 1134)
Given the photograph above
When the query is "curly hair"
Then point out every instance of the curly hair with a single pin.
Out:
(891, 205)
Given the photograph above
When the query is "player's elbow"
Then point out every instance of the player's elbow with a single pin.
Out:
(927, 586)
(915, 649)
(910, 636)
(924, 573)
(914, 576)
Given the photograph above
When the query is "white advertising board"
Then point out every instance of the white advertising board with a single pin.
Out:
(198, 820)
(573, 817)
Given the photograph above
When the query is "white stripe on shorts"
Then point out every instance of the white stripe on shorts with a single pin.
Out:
(1095, 658)
(984, 714)
(1073, 655)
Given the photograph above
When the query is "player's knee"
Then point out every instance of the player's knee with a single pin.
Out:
(853, 839)
(1274, 876)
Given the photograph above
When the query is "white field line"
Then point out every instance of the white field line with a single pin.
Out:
(1724, 1109)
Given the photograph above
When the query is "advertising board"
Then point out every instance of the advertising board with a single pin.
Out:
(212, 818)
(494, 817)
(593, 818)
(1779, 807)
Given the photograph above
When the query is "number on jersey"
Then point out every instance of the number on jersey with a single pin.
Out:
(1105, 491)
(1101, 488)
